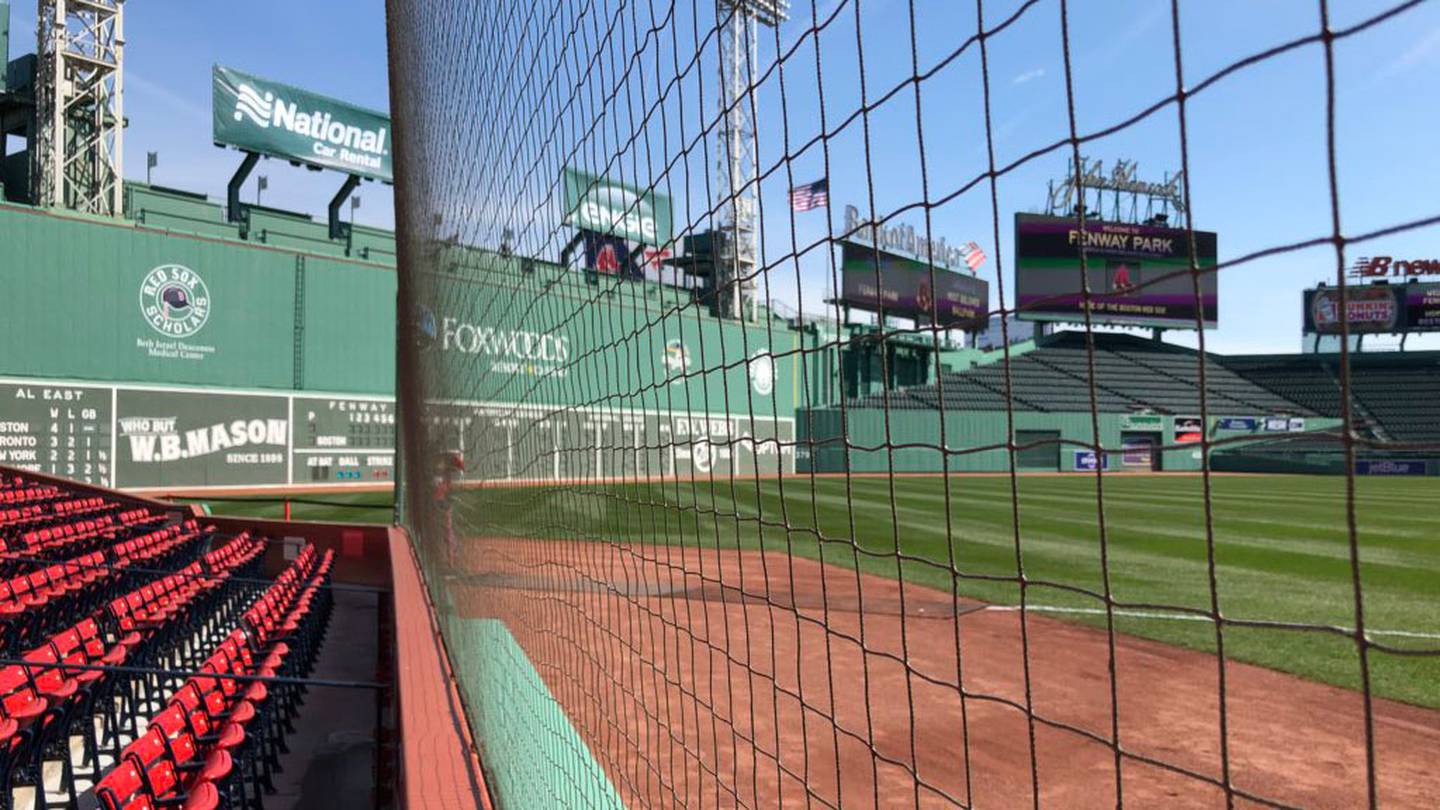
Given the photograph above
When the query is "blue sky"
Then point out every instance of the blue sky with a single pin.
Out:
(336, 47)
(1256, 138)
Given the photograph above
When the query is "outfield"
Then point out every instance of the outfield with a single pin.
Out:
(1281, 549)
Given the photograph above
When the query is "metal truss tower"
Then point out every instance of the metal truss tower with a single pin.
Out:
(735, 159)
(79, 99)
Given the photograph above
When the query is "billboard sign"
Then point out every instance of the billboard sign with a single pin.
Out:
(1385, 466)
(905, 240)
(1369, 310)
(1137, 274)
(1368, 267)
(1189, 429)
(270, 118)
(1085, 461)
(602, 205)
(1141, 421)
(1422, 307)
(875, 280)
(1249, 424)
(1375, 309)
(167, 438)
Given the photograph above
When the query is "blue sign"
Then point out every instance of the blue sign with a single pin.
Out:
(1385, 466)
(1085, 461)
(1246, 423)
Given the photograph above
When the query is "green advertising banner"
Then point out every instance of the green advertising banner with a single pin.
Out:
(191, 438)
(602, 205)
(259, 115)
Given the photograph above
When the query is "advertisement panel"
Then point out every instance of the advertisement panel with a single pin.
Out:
(192, 438)
(1085, 461)
(1137, 274)
(1369, 310)
(1379, 466)
(1422, 307)
(1241, 423)
(1189, 429)
(903, 287)
(264, 116)
(605, 206)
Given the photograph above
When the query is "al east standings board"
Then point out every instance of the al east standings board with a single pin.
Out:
(1137, 274)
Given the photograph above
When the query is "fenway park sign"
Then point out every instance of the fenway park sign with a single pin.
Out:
(1389, 267)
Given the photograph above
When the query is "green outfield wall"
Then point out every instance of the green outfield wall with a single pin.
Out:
(872, 440)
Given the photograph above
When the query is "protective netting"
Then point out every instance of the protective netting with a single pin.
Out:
(692, 521)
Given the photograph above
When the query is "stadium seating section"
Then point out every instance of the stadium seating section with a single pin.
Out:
(1131, 374)
(147, 664)
(1396, 395)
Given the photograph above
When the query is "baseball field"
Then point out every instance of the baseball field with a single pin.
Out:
(1281, 552)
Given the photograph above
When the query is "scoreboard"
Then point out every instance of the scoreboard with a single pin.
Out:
(145, 436)
(58, 429)
(340, 439)
(511, 442)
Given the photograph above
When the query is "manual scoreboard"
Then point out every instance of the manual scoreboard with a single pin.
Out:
(64, 430)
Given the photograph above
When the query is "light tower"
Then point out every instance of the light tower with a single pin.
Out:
(735, 159)
(79, 105)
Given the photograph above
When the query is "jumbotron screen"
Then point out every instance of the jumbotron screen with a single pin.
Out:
(1375, 309)
(903, 287)
(1138, 274)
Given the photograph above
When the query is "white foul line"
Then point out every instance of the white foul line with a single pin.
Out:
(1184, 617)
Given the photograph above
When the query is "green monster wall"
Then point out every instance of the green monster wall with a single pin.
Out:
(86, 306)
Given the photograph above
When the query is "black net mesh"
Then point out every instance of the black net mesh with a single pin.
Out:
(704, 529)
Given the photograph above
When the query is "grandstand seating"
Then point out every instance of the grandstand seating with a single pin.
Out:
(1130, 374)
(133, 639)
(1395, 395)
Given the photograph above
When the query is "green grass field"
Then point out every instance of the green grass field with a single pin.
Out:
(1281, 549)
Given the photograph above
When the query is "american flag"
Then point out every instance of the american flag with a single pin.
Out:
(811, 196)
(974, 256)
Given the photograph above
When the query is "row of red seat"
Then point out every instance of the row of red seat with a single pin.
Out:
(100, 527)
(52, 697)
(37, 518)
(33, 603)
(78, 506)
(216, 741)
(30, 494)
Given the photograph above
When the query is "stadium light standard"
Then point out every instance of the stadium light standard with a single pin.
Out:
(735, 159)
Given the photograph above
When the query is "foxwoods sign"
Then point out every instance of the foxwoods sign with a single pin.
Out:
(904, 239)
(258, 115)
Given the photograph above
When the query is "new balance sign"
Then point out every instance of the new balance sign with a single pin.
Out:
(275, 119)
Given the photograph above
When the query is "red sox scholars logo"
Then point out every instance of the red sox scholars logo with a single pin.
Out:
(174, 301)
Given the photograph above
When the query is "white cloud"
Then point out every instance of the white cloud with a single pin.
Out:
(1412, 57)
(1029, 75)
(144, 87)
